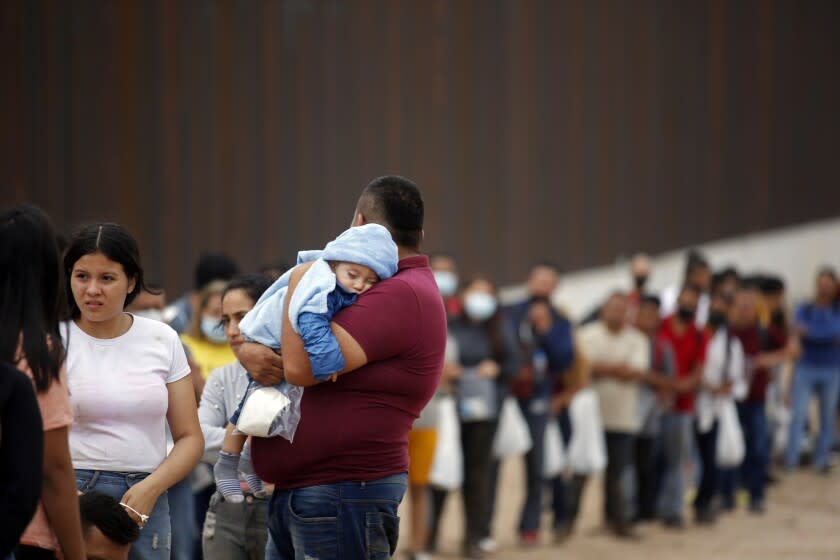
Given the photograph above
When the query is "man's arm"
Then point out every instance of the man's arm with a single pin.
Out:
(298, 370)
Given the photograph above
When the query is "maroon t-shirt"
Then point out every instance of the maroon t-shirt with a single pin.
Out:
(755, 342)
(357, 428)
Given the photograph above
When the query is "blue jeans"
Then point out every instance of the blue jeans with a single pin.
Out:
(182, 518)
(156, 537)
(825, 381)
(677, 432)
(344, 520)
(754, 469)
(536, 415)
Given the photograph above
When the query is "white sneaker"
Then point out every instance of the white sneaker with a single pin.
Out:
(488, 545)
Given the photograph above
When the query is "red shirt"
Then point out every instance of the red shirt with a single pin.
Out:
(357, 428)
(689, 351)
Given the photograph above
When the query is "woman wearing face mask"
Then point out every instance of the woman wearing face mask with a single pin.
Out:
(488, 356)
(128, 379)
(205, 340)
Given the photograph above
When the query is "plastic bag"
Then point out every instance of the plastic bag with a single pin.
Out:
(270, 411)
(512, 436)
(730, 439)
(447, 470)
(587, 451)
(554, 456)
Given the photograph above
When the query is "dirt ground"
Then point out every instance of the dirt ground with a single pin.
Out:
(802, 522)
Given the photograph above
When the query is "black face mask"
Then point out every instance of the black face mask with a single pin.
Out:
(717, 319)
(640, 282)
(686, 314)
(777, 318)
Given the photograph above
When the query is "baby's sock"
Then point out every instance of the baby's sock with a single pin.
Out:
(246, 467)
(226, 472)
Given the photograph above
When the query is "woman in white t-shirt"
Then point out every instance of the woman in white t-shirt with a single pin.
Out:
(128, 377)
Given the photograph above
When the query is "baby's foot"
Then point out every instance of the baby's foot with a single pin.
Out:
(227, 480)
(246, 467)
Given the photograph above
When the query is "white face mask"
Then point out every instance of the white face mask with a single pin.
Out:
(213, 330)
(153, 314)
(447, 282)
(480, 306)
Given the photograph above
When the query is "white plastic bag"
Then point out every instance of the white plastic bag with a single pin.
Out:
(554, 456)
(270, 411)
(781, 430)
(512, 435)
(447, 470)
(730, 439)
(587, 451)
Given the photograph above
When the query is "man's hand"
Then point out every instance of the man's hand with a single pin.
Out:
(262, 363)
(489, 369)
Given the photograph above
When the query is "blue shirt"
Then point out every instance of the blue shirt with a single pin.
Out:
(318, 339)
(821, 339)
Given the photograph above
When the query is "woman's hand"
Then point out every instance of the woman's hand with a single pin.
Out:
(141, 498)
(489, 369)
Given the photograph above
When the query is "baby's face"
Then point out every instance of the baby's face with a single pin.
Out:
(355, 278)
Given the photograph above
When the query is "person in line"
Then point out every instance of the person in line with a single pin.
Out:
(128, 379)
(30, 342)
(205, 340)
(211, 267)
(547, 349)
(723, 378)
(688, 343)
(653, 400)
(619, 356)
(348, 266)
(232, 531)
(488, 357)
(109, 531)
(445, 269)
(763, 351)
(393, 339)
(818, 325)
(698, 274)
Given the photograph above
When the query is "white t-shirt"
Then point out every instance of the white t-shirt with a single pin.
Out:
(119, 396)
(619, 399)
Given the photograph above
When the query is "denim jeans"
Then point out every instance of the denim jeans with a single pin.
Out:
(677, 431)
(235, 531)
(156, 537)
(182, 518)
(536, 415)
(825, 381)
(619, 483)
(707, 448)
(754, 469)
(344, 520)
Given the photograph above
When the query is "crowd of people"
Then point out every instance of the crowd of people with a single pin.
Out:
(411, 374)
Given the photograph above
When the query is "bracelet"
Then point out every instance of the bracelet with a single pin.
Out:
(143, 517)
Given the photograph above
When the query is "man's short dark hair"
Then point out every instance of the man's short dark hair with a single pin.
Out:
(690, 288)
(106, 514)
(651, 300)
(695, 260)
(544, 263)
(214, 266)
(396, 203)
(772, 285)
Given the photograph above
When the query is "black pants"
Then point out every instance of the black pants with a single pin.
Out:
(26, 552)
(477, 443)
(646, 477)
(707, 448)
(618, 496)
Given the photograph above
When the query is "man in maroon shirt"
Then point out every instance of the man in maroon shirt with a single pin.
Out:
(339, 485)
(763, 350)
(688, 343)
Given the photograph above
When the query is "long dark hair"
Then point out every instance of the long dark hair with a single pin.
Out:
(252, 284)
(117, 244)
(30, 279)
(494, 326)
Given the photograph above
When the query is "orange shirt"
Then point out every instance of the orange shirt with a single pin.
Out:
(54, 404)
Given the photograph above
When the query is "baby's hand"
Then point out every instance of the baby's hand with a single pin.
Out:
(334, 377)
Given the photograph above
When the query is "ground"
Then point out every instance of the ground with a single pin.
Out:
(802, 522)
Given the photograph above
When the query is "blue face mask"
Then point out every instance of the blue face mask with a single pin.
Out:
(447, 282)
(213, 330)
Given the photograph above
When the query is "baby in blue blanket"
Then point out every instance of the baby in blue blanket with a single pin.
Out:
(347, 267)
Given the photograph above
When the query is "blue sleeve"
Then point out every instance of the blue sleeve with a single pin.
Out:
(559, 346)
(321, 345)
